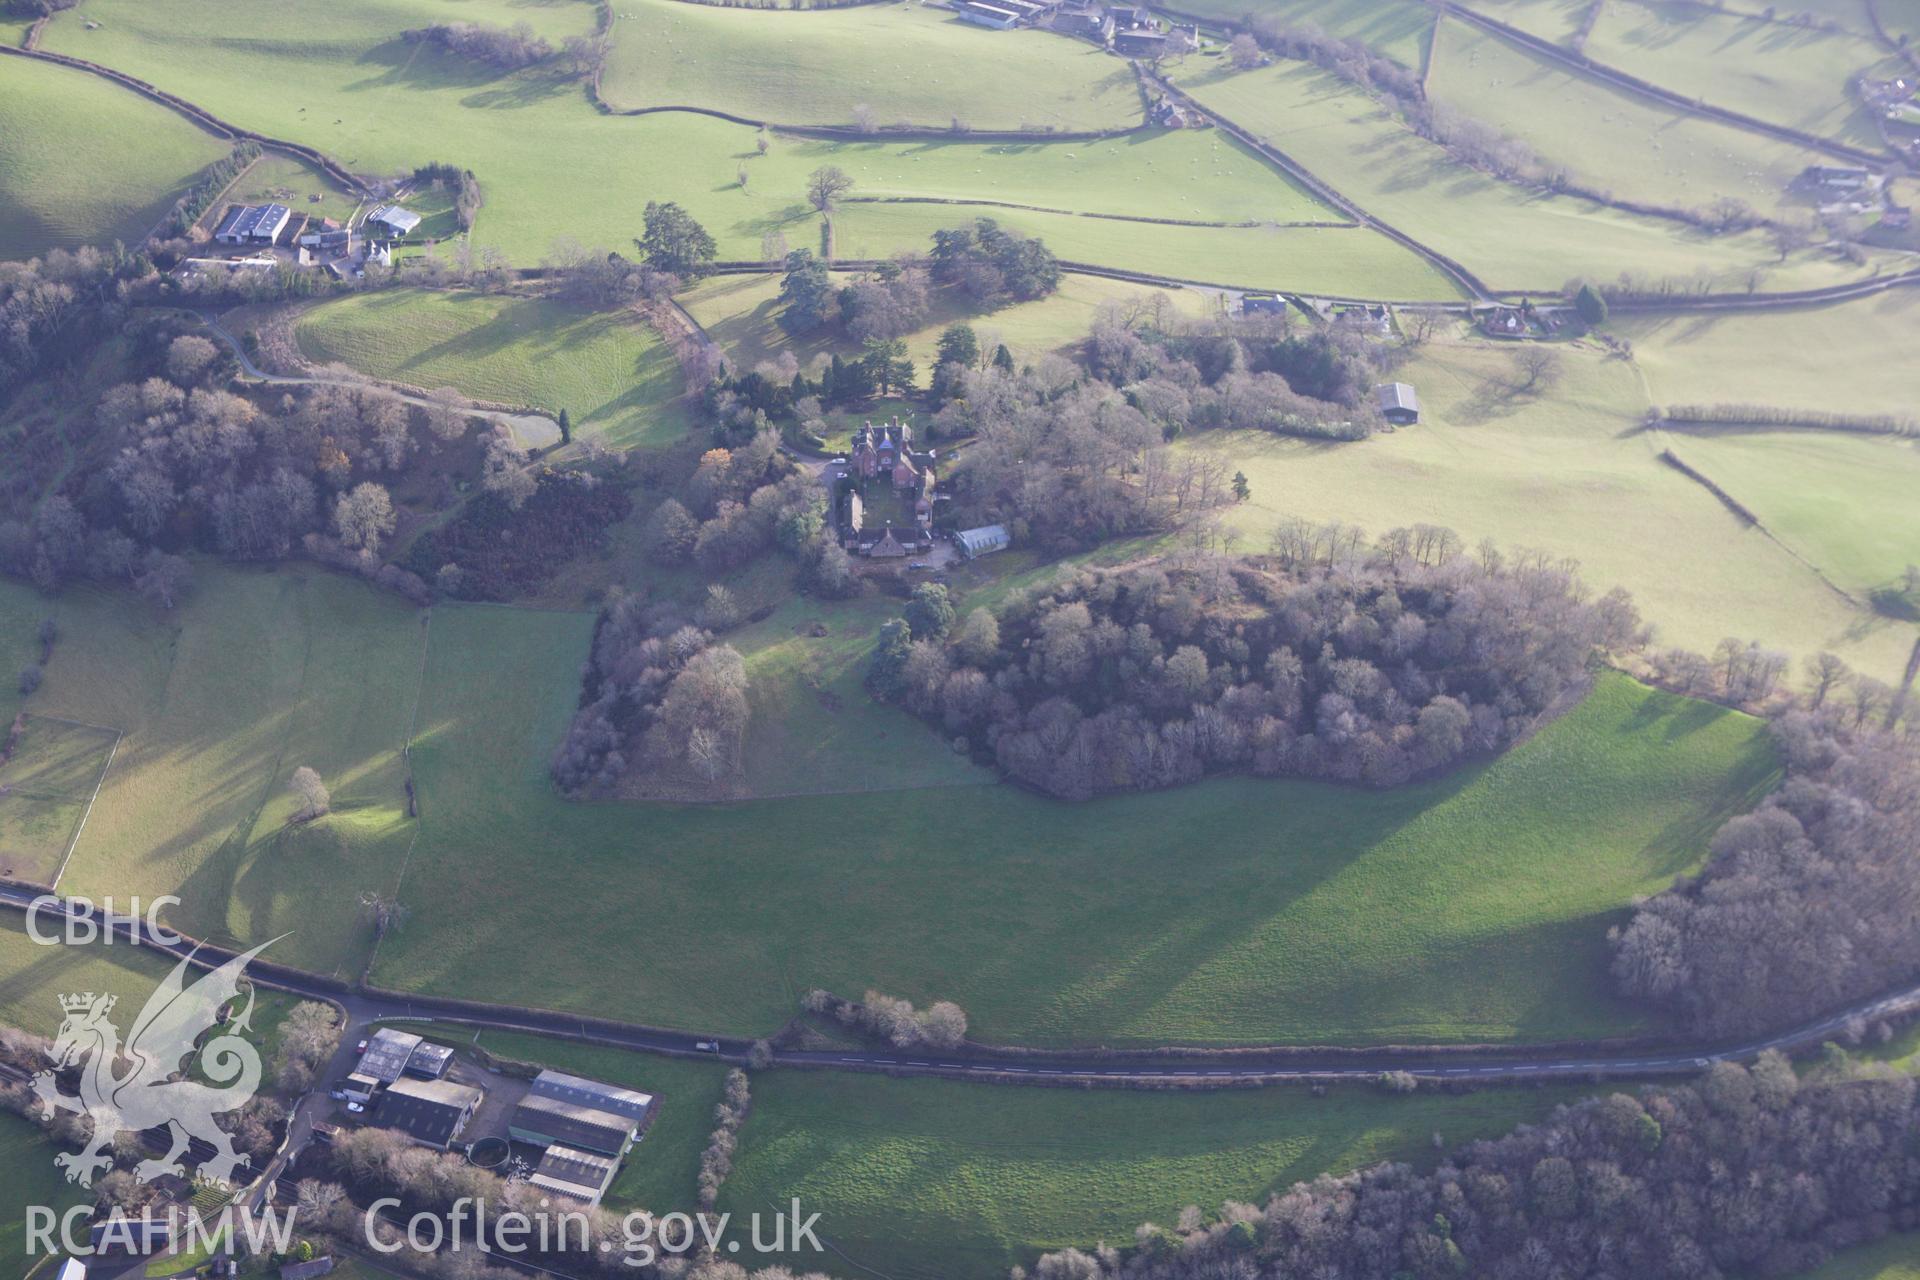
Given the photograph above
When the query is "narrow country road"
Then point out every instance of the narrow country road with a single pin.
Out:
(530, 430)
(1188, 1068)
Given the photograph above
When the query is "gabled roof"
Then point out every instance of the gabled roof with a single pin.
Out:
(1397, 395)
(582, 1092)
(401, 220)
(430, 1110)
(387, 1054)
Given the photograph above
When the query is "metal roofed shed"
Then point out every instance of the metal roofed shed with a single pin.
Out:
(429, 1061)
(547, 1122)
(1398, 403)
(985, 540)
(582, 1092)
(429, 1111)
(579, 1175)
(398, 222)
(387, 1053)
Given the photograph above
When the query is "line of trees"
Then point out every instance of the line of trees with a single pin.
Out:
(716, 1162)
(1334, 658)
(1892, 424)
(1747, 1172)
(505, 48)
(893, 1021)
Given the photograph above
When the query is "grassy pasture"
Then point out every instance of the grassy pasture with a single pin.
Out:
(1512, 237)
(551, 166)
(1313, 923)
(28, 1176)
(1572, 473)
(742, 314)
(87, 162)
(993, 1176)
(44, 790)
(1611, 139)
(1794, 76)
(1555, 20)
(609, 370)
(816, 67)
(256, 674)
(1853, 358)
(1344, 261)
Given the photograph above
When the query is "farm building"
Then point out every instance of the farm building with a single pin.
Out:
(392, 221)
(432, 1112)
(120, 1236)
(429, 1061)
(1398, 403)
(1131, 19)
(1834, 180)
(1262, 304)
(575, 1174)
(307, 1270)
(1090, 21)
(387, 1052)
(72, 1269)
(985, 540)
(1141, 44)
(548, 1122)
(630, 1103)
(252, 223)
(982, 14)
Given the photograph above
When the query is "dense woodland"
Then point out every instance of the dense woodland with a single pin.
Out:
(1806, 905)
(1330, 660)
(1747, 1173)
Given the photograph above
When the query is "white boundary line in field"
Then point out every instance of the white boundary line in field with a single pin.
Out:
(99, 782)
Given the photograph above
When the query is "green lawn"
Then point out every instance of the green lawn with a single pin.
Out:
(44, 790)
(1610, 139)
(608, 369)
(256, 674)
(987, 1176)
(742, 314)
(816, 67)
(1513, 237)
(1313, 922)
(1572, 473)
(87, 162)
(1795, 76)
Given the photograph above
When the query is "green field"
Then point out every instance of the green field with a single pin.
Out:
(816, 67)
(349, 85)
(44, 791)
(1260, 937)
(256, 674)
(1396, 28)
(1795, 76)
(1513, 237)
(1344, 261)
(609, 370)
(1572, 473)
(742, 314)
(1612, 140)
(990, 1176)
(87, 162)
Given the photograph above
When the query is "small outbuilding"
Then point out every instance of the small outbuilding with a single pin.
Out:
(431, 1112)
(1398, 404)
(985, 540)
(429, 1061)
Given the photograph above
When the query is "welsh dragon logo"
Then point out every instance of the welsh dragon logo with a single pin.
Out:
(138, 1085)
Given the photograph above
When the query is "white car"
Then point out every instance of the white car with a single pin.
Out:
(356, 1107)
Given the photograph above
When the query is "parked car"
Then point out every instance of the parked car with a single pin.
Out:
(361, 1047)
(356, 1107)
(707, 1046)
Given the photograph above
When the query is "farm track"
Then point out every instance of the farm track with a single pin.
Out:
(1618, 79)
(1170, 1067)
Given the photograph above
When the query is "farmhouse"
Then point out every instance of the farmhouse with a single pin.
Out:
(393, 222)
(577, 1175)
(431, 1112)
(252, 223)
(1398, 403)
(987, 539)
